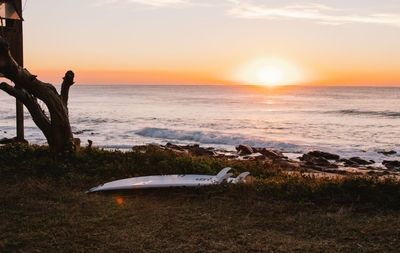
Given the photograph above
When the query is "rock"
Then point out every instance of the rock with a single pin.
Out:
(173, 146)
(257, 156)
(12, 140)
(270, 154)
(348, 163)
(155, 146)
(318, 160)
(334, 166)
(314, 160)
(199, 151)
(321, 161)
(325, 155)
(6, 141)
(356, 162)
(360, 161)
(140, 148)
(254, 157)
(230, 156)
(387, 153)
(315, 168)
(260, 157)
(243, 149)
(393, 165)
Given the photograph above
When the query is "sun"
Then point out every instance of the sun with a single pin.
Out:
(268, 72)
(270, 75)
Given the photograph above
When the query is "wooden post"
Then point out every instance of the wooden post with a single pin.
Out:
(19, 57)
(15, 41)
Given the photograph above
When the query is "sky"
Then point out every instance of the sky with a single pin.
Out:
(335, 42)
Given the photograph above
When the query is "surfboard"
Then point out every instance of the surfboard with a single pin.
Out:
(164, 181)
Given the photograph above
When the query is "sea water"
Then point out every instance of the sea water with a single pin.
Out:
(350, 121)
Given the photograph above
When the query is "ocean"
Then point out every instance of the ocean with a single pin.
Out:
(349, 121)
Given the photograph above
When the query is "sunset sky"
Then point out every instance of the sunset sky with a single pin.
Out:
(335, 42)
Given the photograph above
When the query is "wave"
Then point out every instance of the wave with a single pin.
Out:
(214, 138)
(96, 121)
(13, 117)
(389, 114)
(116, 147)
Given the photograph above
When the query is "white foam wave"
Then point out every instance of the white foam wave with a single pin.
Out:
(215, 138)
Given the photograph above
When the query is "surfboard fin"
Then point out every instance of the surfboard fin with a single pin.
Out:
(223, 172)
(242, 176)
(224, 177)
(239, 179)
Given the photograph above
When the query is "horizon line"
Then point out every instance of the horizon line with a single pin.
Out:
(232, 84)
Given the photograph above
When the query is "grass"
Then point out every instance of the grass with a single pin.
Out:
(43, 207)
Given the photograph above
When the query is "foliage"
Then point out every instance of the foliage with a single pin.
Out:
(92, 166)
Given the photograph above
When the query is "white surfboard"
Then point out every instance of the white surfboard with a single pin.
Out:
(189, 180)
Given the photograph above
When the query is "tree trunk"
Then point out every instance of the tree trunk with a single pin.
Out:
(28, 89)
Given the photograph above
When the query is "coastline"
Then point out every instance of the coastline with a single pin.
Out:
(314, 163)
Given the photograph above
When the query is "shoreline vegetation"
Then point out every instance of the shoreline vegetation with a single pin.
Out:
(288, 206)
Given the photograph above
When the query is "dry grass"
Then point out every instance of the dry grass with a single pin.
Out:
(42, 215)
(43, 207)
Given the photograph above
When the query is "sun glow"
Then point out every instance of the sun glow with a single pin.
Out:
(269, 72)
(270, 75)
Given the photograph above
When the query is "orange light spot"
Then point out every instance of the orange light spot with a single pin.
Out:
(120, 201)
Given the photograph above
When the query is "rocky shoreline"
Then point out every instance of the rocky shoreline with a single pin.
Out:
(314, 162)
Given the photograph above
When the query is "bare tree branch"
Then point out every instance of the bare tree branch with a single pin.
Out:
(68, 81)
(30, 102)
(11, 90)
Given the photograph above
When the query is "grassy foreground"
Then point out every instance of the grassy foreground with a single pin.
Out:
(44, 207)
